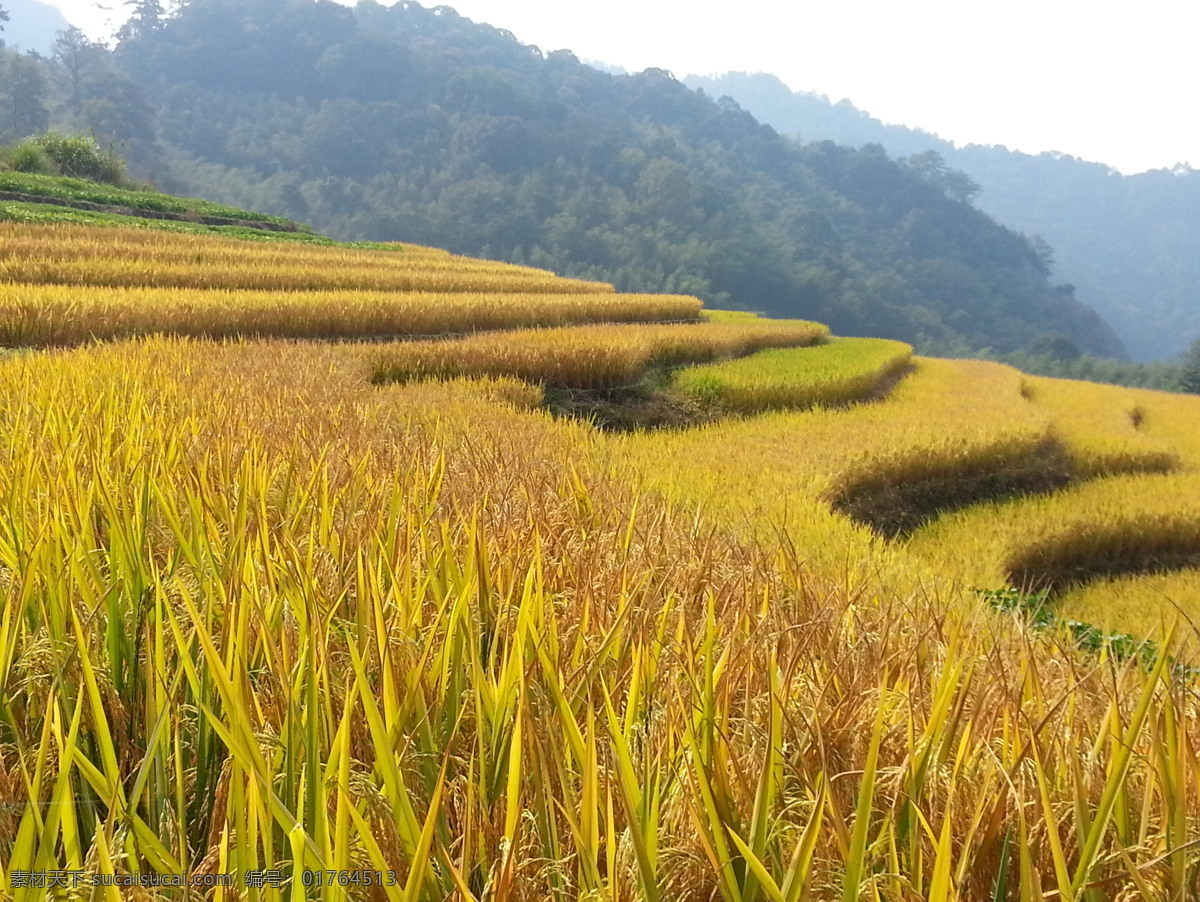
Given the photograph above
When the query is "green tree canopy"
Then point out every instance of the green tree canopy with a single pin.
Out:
(1190, 381)
(145, 17)
(932, 168)
(23, 97)
(1055, 346)
(79, 61)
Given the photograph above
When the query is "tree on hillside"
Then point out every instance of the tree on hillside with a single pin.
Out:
(145, 17)
(1190, 380)
(79, 59)
(932, 168)
(23, 92)
(99, 97)
(3, 19)
(1055, 346)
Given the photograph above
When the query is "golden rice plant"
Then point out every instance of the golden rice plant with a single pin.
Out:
(839, 372)
(1145, 605)
(113, 272)
(1133, 523)
(260, 615)
(117, 257)
(596, 356)
(61, 243)
(943, 429)
(1170, 418)
(38, 315)
(257, 614)
(732, 316)
(1103, 426)
(1082, 541)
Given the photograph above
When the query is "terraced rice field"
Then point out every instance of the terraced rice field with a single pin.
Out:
(313, 607)
(57, 315)
(118, 258)
(1144, 604)
(1097, 541)
(839, 372)
(588, 356)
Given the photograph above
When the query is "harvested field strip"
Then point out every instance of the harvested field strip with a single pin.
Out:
(39, 315)
(592, 357)
(1126, 524)
(838, 372)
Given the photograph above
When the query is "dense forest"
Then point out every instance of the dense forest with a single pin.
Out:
(1129, 243)
(415, 124)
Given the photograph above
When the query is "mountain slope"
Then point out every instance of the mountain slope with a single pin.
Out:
(411, 124)
(1130, 244)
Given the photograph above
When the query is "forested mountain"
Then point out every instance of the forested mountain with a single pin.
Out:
(1129, 243)
(31, 25)
(416, 124)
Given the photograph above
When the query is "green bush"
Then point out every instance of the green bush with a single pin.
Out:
(28, 157)
(77, 156)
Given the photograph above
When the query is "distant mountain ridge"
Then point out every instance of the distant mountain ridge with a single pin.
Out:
(1129, 244)
(32, 25)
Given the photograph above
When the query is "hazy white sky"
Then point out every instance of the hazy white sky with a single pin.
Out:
(1110, 82)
